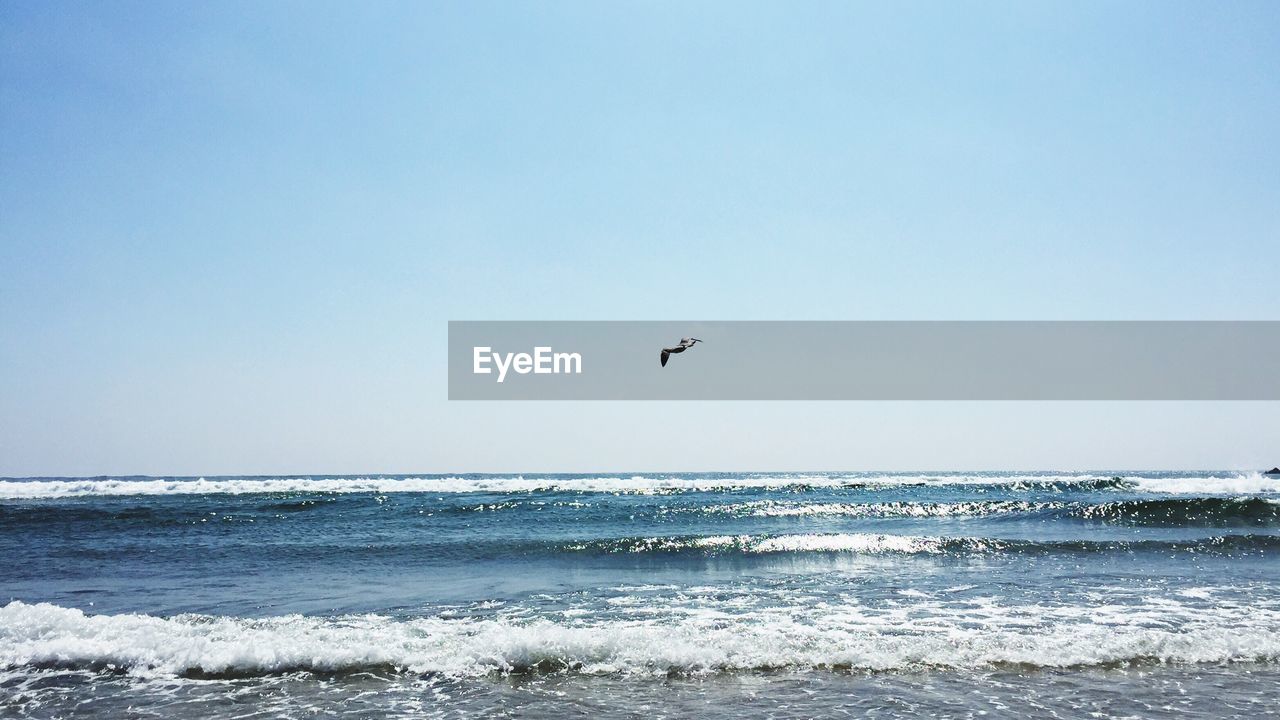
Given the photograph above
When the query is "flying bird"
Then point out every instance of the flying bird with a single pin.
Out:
(685, 344)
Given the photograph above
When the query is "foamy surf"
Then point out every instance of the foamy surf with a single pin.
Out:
(841, 638)
(1168, 510)
(869, 543)
(422, 591)
(1248, 483)
(1254, 483)
(889, 544)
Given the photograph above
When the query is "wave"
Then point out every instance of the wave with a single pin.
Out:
(1184, 511)
(1165, 511)
(87, 487)
(1170, 512)
(838, 638)
(875, 543)
(1241, 484)
(897, 509)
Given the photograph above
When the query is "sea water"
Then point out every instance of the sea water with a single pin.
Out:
(735, 595)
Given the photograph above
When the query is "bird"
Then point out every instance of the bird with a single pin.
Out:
(685, 344)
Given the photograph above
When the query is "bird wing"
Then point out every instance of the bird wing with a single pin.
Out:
(665, 354)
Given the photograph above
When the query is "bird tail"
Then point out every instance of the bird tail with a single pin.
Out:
(665, 355)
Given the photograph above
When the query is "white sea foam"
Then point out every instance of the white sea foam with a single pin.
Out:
(638, 484)
(16, 489)
(926, 634)
(867, 543)
(777, 508)
(1243, 484)
(847, 542)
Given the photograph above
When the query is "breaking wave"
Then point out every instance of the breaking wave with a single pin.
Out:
(841, 638)
(875, 543)
(1172, 511)
(638, 484)
(1184, 511)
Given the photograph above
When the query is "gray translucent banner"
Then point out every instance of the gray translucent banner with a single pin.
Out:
(1086, 360)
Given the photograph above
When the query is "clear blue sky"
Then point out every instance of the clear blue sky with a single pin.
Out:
(231, 234)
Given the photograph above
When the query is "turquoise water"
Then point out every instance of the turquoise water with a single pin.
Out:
(708, 595)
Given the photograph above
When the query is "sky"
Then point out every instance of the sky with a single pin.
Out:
(232, 234)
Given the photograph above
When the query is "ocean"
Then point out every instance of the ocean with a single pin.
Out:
(709, 595)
